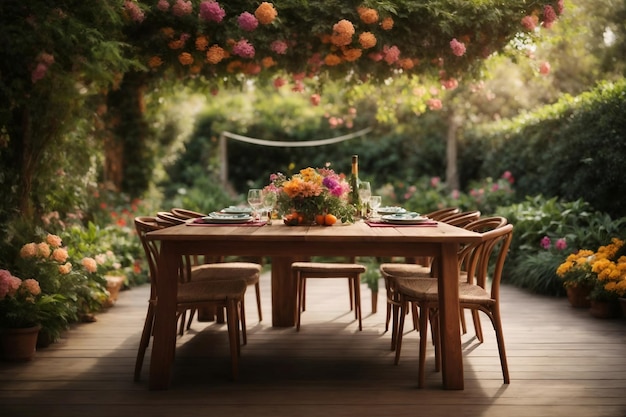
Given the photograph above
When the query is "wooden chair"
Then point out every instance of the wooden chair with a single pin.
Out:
(474, 294)
(391, 271)
(352, 271)
(202, 269)
(227, 293)
(441, 213)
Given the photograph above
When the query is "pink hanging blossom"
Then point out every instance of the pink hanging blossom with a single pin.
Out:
(244, 49)
(450, 84)
(280, 47)
(135, 13)
(247, 21)
(549, 16)
(545, 242)
(211, 11)
(315, 99)
(279, 82)
(391, 54)
(458, 48)
(434, 104)
(544, 68)
(530, 22)
(182, 8)
(163, 5)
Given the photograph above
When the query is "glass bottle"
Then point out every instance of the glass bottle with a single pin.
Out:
(355, 200)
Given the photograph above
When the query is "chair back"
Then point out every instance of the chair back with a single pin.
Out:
(441, 213)
(492, 250)
(185, 214)
(484, 224)
(461, 219)
(144, 225)
(165, 217)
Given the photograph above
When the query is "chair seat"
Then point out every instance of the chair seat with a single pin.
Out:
(404, 270)
(329, 270)
(426, 289)
(207, 291)
(220, 271)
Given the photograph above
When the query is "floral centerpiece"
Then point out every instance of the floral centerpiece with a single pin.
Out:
(312, 192)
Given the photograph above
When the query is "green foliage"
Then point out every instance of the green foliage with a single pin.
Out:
(573, 149)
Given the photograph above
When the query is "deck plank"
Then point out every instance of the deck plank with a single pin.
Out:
(562, 361)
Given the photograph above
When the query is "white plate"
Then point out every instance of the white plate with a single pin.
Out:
(225, 218)
(236, 210)
(390, 210)
(404, 219)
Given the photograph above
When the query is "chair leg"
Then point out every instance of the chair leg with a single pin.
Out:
(303, 296)
(399, 331)
(191, 316)
(257, 288)
(497, 325)
(351, 289)
(462, 318)
(300, 283)
(144, 341)
(357, 299)
(233, 331)
(242, 319)
(424, 316)
(477, 326)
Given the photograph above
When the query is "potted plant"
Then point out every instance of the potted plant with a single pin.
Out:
(371, 277)
(22, 309)
(577, 277)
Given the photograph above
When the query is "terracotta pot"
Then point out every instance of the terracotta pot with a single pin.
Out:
(605, 309)
(114, 285)
(578, 296)
(19, 345)
(622, 303)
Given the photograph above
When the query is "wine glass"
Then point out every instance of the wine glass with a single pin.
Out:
(268, 198)
(375, 202)
(255, 200)
(365, 194)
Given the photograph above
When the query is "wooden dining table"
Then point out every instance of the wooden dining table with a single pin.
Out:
(286, 244)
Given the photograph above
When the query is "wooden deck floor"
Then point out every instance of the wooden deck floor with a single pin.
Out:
(563, 362)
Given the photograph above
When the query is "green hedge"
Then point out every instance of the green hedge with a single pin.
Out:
(574, 149)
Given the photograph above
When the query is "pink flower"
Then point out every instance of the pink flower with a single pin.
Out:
(435, 181)
(247, 21)
(544, 68)
(279, 82)
(530, 22)
(549, 16)
(280, 47)
(450, 84)
(163, 5)
(545, 242)
(434, 104)
(39, 72)
(391, 54)
(8, 284)
(60, 255)
(315, 99)
(32, 286)
(458, 48)
(298, 87)
(244, 49)
(561, 244)
(560, 6)
(136, 14)
(29, 250)
(54, 241)
(508, 176)
(90, 264)
(182, 8)
(211, 11)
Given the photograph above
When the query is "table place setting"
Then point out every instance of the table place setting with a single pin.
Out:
(400, 218)
(218, 218)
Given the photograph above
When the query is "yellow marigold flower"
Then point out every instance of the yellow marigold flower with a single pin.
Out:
(332, 60)
(65, 268)
(268, 62)
(176, 44)
(168, 32)
(265, 13)
(368, 15)
(387, 23)
(185, 58)
(54, 241)
(367, 40)
(155, 62)
(352, 54)
(215, 54)
(202, 43)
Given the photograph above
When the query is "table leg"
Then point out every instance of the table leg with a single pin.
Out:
(284, 292)
(164, 339)
(450, 331)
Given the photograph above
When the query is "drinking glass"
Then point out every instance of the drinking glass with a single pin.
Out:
(365, 193)
(269, 201)
(375, 202)
(255, 200)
